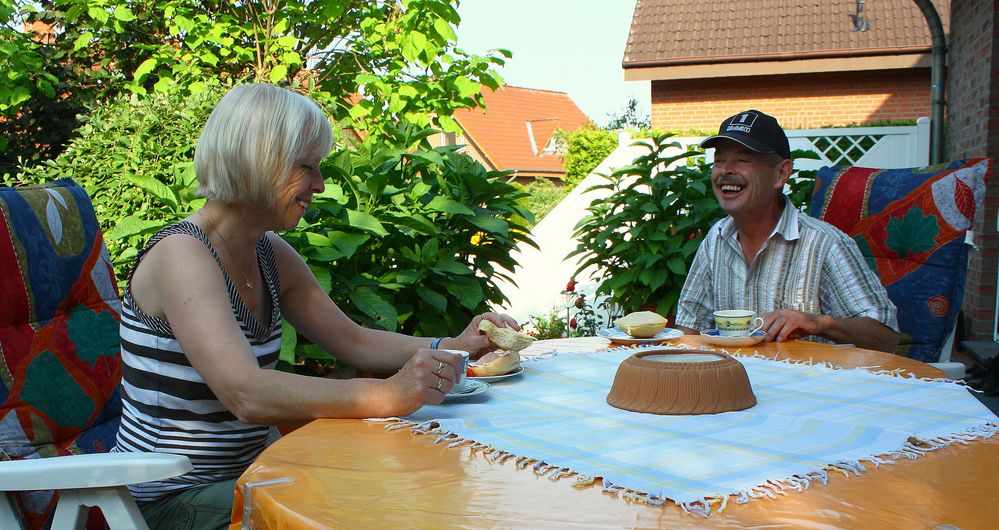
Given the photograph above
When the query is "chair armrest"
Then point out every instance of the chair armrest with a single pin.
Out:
(954, 370)
(90, 471)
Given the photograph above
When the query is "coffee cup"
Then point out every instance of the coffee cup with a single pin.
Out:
(737, 322)
(460, 381)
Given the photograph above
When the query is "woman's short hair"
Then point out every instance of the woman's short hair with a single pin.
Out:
(252, 141)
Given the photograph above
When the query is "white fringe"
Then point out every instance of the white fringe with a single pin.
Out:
(912, 449)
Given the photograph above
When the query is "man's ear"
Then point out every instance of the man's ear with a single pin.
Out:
(784, 170)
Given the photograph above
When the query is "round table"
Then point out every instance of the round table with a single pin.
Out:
(351, 473)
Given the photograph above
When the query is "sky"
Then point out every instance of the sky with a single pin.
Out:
(572, 46)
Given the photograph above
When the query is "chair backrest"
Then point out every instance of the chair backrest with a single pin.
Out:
(911, 225)
(59, 350)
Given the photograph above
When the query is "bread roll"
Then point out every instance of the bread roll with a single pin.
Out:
(641, 324)
(498, 362)
(506, 338)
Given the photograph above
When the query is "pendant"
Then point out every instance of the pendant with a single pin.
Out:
(248, 284)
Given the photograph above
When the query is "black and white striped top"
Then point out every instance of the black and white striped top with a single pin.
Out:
(166, 405)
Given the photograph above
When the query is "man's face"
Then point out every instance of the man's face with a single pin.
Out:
(745, 182)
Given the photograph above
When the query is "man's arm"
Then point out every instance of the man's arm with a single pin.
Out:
(863, 332)
(848, 287)
(695, 297)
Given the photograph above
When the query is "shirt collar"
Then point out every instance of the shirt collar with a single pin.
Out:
(787, 225)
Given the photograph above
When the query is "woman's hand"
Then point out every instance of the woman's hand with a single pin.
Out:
(474, 341)
(425, 378)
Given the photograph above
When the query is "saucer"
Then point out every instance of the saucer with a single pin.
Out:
(714, 337)
(517, 371)
(616, 334)
(472, 388)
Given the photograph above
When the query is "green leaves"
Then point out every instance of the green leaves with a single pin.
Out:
(642, 236)
(405, 226)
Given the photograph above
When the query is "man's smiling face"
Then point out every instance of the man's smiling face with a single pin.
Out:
(746, 182)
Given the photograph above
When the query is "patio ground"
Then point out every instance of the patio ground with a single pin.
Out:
(960, 355)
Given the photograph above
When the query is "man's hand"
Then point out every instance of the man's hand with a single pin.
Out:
(863, 332)
(788, 324)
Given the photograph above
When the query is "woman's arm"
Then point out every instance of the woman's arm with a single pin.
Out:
(179, 279)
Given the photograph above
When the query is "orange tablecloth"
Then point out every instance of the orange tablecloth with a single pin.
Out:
(349, 473)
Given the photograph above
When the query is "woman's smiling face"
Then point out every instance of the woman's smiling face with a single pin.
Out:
(746, 182)
(294, 197)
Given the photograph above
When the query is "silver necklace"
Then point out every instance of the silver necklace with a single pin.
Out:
(211, 226)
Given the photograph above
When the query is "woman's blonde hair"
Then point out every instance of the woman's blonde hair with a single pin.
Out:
(252, 141)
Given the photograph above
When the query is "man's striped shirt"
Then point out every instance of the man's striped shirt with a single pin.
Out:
(807, 265)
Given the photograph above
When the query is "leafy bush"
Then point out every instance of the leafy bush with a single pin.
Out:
(642, 237)
(542, 196)
(408, 238)
(548, 326)
(134, 157)
(802, 183)
(584, 149)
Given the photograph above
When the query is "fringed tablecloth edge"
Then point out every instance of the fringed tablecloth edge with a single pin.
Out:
(913, 448)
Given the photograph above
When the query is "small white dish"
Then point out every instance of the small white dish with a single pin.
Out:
(472, 388)
(491, 378)
(618, 335)
(714, 337)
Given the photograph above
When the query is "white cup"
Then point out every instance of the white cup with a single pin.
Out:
(737, 322)
(460, 381)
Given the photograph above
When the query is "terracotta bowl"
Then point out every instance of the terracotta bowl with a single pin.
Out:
(671, 381)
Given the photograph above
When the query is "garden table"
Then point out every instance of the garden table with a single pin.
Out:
(354, 473)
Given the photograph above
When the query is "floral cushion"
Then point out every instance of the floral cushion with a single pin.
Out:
(910, 224)
(59, 353)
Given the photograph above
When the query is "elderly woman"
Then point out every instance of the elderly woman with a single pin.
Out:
(202, 312)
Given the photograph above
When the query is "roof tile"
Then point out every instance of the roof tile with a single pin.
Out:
(512, 115)
(664, 32)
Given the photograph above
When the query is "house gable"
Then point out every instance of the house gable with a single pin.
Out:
(516, 130)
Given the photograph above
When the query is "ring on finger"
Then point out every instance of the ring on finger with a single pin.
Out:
(440, 381)
(440, 368)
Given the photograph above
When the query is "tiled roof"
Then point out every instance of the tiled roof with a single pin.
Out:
(678, 32)
(516, 126)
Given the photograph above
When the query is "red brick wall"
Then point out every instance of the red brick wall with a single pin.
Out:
(973, 131)
(800, 101)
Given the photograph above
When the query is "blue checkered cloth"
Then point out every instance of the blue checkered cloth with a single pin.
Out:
(809, 419)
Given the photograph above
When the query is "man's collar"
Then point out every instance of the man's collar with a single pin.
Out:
(787, 224)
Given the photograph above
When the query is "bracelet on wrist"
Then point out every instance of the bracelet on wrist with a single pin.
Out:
(435, 343)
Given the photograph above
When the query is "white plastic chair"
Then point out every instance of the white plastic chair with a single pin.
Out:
(83, 481)
(954, 370)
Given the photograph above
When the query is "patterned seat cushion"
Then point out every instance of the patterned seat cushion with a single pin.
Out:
(59, 353)
(910, 224)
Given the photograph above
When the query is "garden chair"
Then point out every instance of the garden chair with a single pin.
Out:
(914, 228)
(60, 368)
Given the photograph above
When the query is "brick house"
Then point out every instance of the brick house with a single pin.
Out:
(516, 131)
(802, 62)
(973, 130)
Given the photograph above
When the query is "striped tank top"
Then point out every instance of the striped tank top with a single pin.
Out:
(166, 405)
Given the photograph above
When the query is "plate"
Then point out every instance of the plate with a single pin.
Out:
(616, 334)
(490, 378)
(713, 337)
(472, 388)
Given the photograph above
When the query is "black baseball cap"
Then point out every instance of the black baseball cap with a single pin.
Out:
(755, 130)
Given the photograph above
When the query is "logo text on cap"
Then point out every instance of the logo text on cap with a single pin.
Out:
(743, 122)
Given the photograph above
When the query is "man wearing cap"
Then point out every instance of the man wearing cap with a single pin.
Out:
(805, 277)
